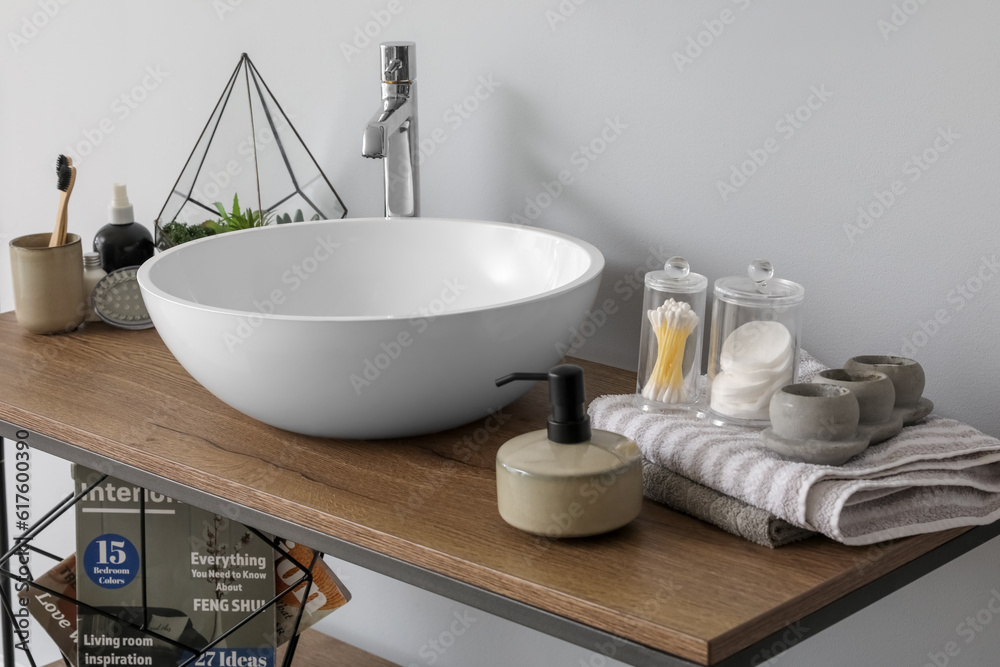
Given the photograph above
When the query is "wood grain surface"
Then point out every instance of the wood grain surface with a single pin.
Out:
(666, 580)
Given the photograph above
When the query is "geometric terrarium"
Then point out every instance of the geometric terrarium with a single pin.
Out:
(248, 149)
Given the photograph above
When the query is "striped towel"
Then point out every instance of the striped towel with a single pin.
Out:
(935, 475)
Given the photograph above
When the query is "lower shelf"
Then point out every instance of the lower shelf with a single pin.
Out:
(319, 650)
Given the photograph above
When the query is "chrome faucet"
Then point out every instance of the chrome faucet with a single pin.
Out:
(391, 134)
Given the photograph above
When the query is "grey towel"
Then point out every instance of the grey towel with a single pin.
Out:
(935, 475)
(729, 514)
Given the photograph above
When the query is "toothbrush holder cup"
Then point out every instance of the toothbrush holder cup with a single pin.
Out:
(48, 283)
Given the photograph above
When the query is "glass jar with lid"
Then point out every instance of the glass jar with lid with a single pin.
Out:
(754, 344)
(673, 312)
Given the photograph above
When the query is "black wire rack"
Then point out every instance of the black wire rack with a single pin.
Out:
(23, 545)
(296, 181)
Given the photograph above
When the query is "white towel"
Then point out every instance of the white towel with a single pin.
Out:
(935, 475)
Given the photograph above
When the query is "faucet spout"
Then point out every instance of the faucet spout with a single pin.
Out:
(391, 134)
(373, 142)
(396, 111)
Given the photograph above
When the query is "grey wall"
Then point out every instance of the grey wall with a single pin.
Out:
(562, 72)
(899, 82)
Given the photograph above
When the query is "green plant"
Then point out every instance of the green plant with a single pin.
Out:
(238, 219)
(179, 232)
(285, 218)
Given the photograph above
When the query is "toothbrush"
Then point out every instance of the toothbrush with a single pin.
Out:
(66, 173)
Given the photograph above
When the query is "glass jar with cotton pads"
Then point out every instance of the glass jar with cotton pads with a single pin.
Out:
(754, 344)
(673, 312)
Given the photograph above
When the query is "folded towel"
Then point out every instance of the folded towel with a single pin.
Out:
(935, 475)
(729, 514)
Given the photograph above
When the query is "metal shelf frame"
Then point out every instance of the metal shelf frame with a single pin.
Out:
(582, 635)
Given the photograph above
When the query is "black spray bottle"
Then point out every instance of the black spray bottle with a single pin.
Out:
(123, 241)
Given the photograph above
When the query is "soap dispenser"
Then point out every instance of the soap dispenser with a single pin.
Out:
(123, 241)
(568, 480)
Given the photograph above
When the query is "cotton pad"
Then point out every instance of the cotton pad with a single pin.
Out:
(756, 360)
(756, 346)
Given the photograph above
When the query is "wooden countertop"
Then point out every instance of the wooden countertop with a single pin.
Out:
(666, 581)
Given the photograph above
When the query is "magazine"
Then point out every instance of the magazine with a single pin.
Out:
(203, 574)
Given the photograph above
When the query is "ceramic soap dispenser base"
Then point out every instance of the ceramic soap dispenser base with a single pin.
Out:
(568, 480)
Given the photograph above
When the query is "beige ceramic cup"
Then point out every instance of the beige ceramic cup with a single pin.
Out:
(48, 283)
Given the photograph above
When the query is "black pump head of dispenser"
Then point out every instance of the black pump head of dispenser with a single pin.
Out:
(568, 423)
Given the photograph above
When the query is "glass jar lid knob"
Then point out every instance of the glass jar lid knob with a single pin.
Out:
(677, 268)
(760, 271)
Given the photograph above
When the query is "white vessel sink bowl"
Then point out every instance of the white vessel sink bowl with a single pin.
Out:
(370, 328)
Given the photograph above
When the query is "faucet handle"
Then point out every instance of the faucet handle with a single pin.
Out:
(393, 66)
(398, 62)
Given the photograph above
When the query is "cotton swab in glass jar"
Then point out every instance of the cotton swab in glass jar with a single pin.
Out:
(672, 323)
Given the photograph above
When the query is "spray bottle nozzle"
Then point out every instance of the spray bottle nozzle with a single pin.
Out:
(119, 195)
(568, 423)
(120, 211)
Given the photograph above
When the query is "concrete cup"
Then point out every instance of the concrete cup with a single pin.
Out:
(814, 412)
(875, 392)
(48, 283)
(907, 375)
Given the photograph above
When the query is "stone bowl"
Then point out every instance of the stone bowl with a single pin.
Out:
(907, 375)
(815, 423)
(875, 392)
(814, 411)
